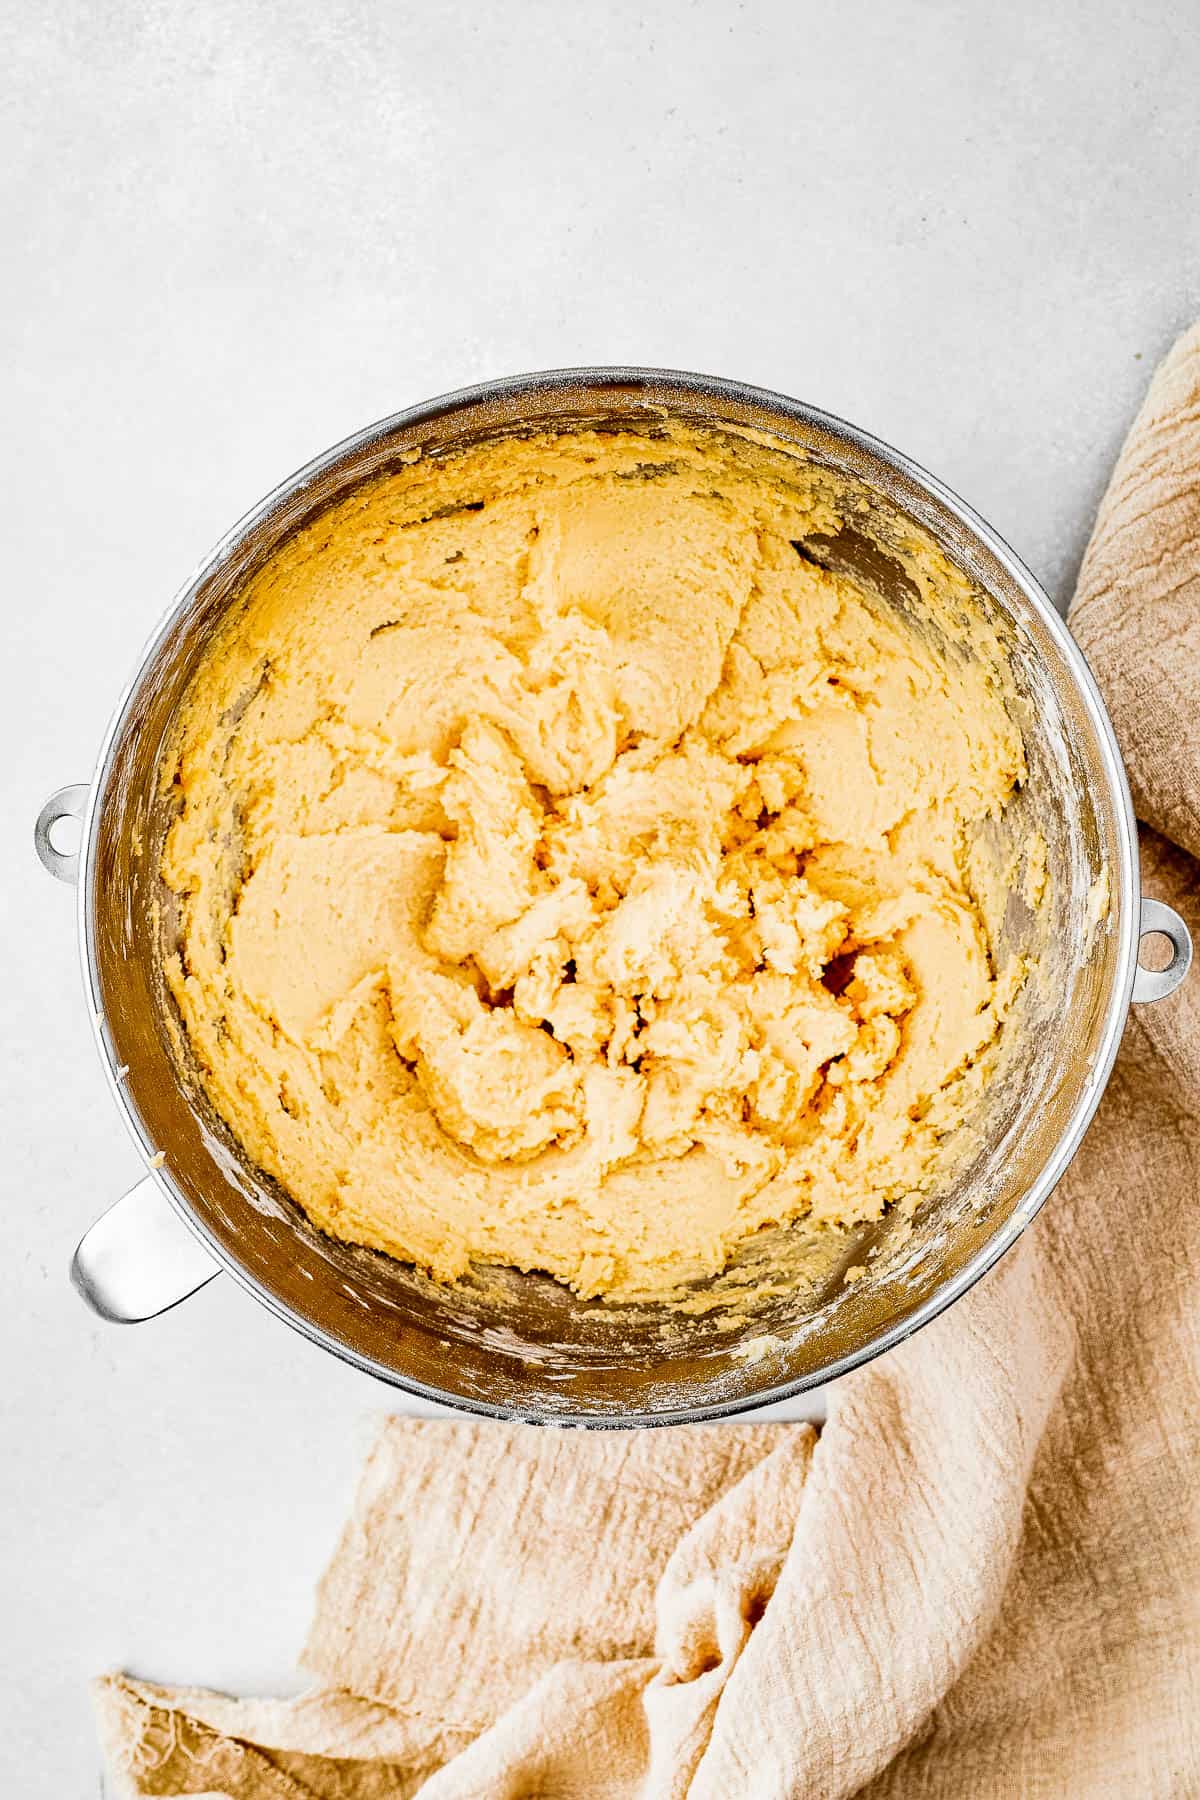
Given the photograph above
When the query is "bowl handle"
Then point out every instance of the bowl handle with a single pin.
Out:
(1156, 984)
(139, 1258)
(68, 803)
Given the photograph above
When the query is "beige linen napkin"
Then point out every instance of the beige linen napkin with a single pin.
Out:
(984, 1579)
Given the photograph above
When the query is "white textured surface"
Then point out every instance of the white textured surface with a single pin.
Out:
(235, 232)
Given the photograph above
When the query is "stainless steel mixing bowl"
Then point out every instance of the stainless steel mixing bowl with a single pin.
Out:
(521, 1345)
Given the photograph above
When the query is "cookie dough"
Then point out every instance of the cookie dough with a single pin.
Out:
(571, 873)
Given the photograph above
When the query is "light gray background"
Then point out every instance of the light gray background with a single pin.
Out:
(236, 232)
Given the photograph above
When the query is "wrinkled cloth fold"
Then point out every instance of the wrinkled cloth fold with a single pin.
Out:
(983, 1578)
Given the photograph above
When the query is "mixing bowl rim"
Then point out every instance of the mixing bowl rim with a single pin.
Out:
(782, 408)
